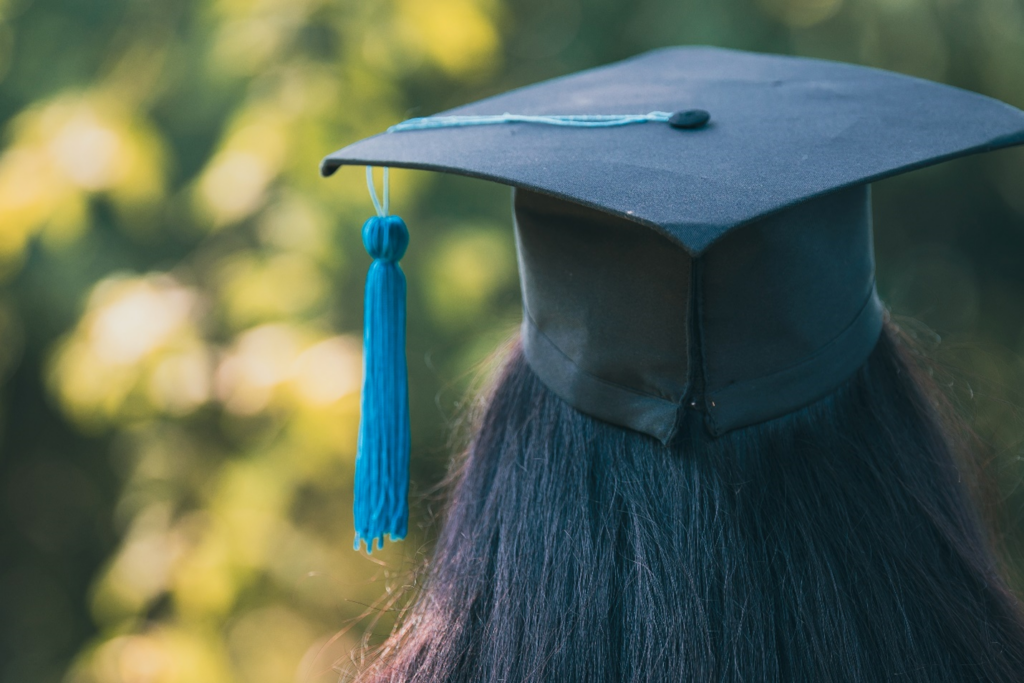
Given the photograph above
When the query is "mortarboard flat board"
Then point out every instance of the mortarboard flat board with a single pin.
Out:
(783, 130)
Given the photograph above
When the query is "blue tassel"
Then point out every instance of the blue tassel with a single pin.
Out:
(382, 457)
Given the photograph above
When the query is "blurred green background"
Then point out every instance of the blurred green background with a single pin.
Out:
(180, 302)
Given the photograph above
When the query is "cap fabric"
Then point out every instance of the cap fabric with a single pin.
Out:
(629, 328)
(718, 266)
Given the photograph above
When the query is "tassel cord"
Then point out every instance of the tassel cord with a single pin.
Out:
(572, 121)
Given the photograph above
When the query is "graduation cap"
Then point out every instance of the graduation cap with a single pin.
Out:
(694, 236)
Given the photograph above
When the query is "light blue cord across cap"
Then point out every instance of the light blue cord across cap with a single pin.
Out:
(573, 120)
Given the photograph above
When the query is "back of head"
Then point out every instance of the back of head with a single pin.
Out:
(708, 461)
(837, 543)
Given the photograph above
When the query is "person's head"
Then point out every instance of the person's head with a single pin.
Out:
(709, 459)
(837, 543)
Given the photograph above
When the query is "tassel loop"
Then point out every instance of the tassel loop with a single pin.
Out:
(381, 505)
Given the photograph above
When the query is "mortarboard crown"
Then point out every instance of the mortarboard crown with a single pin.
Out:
(694, 235)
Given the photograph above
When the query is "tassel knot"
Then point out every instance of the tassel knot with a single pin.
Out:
(386, 238)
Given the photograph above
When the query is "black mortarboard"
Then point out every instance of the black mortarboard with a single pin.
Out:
(694, 224)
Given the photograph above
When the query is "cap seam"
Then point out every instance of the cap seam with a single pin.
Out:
(821, 349)
(723, 395)
(601, 380)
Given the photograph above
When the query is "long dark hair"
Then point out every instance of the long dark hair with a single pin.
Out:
(836, 544)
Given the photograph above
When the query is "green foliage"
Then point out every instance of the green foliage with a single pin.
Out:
(180, 295)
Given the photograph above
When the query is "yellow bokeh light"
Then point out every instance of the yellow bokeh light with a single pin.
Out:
(132, 317)
(269, 643)
(262, 358)
(327, 372)
(181, 382)
(62, 151)
(234, 183)
(204, 582)
(87, 150)
(255, 289)
(162, 655)
(141, 569)
(457, 35)
(272, 357)
(297, 225)
(466, 270)
(248, 504)
(137, 333)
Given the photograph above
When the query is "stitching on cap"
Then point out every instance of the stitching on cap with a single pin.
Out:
(614, 385)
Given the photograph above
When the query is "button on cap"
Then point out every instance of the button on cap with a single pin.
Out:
(691, 118)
